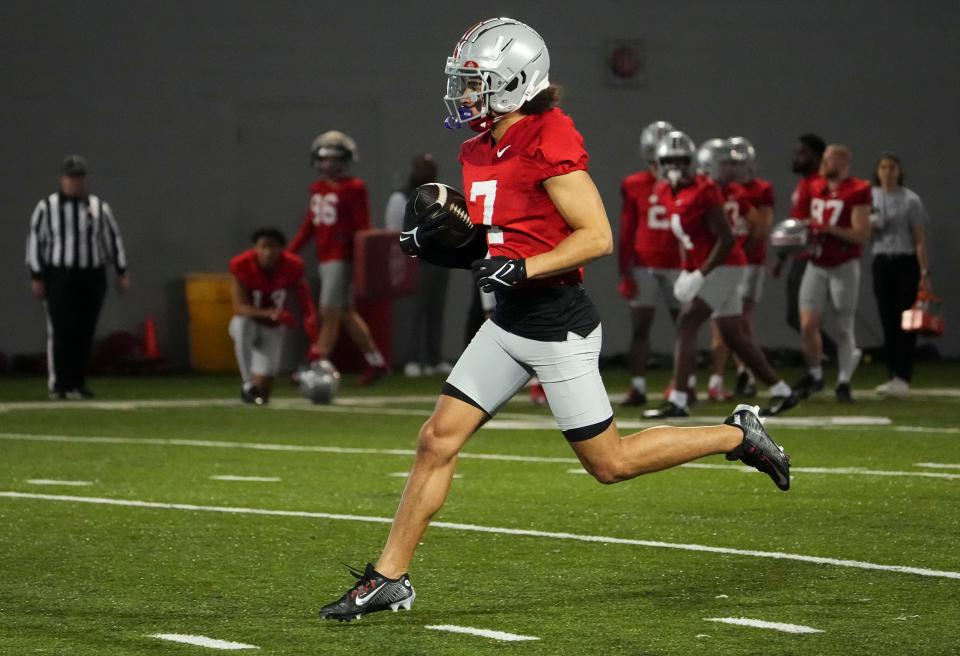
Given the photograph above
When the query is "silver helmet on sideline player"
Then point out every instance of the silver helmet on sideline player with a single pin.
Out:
(320, 382)
(746, 157)
(675, 154)
(650, 136)
(499, 63)
(711, 157)
(333, 144)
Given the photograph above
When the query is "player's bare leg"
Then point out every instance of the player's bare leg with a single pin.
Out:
(440, 440)
(641, 319)
(359, 332)
(329, 329)
(782, 396)
(745, 380)
(719, 354)
(611, 459)
(810, 332)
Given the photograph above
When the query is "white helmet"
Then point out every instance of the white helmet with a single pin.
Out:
(507, 62)
(320, 382)
(746, 157)
(650, 137)
(675, 154)
(333, 144)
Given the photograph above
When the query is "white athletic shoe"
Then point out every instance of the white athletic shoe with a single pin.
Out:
(443, 368)
(895, 387)
(412, 370)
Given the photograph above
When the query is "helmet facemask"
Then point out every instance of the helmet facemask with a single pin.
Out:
(497, 66)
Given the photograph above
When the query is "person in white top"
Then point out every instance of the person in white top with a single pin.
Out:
(900, 266)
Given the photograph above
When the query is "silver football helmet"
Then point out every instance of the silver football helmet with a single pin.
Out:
(333, 144)
(711, 156)
(320, 382)
(789, 236)
(500, 63)
(745, 156)
(675, 154)
(650, 137)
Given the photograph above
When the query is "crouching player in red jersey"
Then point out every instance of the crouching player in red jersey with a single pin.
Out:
(263, 277)
(526, 184)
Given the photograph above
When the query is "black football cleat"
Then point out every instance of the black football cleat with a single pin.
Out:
(634, 398)
(843, 393)
(746, 388)
(808, 385)
(779, 404)
(667, 410)
(253, 395)
(371, 593)
(758, 449)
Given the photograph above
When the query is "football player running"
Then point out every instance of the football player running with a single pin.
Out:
(839, 211)
(713, 264)
(528, 190)
(648, 258)
(263, 278)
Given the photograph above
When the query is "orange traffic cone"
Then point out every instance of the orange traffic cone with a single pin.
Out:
(151, 349)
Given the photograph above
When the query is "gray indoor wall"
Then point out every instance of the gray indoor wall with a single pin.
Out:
(196, 118)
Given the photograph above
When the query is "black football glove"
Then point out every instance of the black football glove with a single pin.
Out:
(410, 243)
(498, 273)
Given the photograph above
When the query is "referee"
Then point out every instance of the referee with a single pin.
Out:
(73, 236)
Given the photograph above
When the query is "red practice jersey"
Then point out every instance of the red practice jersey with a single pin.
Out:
(687, 211)
(503, 185)
(645, 236)
(835, 207)
(759, 193)
(800, 199)
(337, 210)
(269, 289)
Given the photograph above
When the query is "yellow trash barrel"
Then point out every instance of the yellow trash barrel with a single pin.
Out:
(210, 308)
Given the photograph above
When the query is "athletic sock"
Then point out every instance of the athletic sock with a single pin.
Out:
(639, 384)
(780, 389)
(678, 399)
(816, 373)
(716, 381)
(692, 381)
(374, 358)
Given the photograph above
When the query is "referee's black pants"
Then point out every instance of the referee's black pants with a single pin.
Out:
(74, 298)
(895, 282)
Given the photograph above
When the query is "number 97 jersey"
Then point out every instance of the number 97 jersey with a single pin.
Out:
(503, 185)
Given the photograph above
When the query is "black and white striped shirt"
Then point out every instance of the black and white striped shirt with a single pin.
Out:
(76, 233)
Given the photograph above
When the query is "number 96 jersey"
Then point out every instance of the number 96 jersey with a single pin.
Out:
(503, 185)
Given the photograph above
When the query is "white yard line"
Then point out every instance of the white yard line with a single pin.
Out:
(251, 479)
(202, 641)
(937, 465)
(307, 448)
(483, 633)
(51, 481)
(760, 624)
(817, 560)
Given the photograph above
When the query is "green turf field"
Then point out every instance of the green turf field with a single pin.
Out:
(635, 568)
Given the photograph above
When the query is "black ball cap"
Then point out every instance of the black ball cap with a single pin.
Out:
(74, 166)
